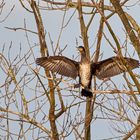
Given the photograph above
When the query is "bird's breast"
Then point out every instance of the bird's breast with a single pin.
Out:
(85, 74)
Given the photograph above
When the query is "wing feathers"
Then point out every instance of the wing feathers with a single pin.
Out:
(60, 64)
(112, 66)
(103, 69)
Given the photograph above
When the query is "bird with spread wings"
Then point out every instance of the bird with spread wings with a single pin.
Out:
(85, 69)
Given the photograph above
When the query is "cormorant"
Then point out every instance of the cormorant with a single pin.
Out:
(85, 68)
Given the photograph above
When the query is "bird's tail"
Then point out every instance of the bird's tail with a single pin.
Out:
(86, 93)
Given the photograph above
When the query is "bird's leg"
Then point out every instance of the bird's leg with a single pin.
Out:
(79, 84)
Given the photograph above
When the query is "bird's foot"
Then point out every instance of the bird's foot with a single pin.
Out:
(77, 85)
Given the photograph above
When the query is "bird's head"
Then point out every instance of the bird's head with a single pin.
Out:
(81, 49)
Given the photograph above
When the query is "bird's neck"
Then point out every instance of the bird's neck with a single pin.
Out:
(84, 57)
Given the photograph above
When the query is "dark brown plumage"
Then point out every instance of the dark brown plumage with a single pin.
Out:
(112, 66)
(60, 64)
(85, 69)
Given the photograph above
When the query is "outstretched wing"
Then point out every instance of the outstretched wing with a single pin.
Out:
(112, 66)
(59, 64)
